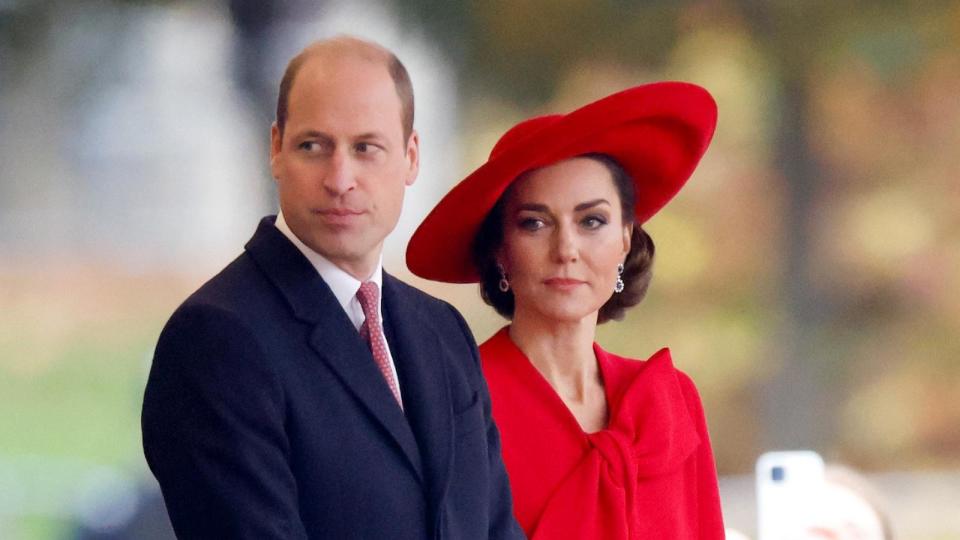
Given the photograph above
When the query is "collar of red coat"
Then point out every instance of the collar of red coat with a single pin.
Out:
(651, 429)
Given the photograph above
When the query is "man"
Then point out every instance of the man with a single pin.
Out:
(285, 399)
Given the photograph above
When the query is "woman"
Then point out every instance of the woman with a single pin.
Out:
(596, 445)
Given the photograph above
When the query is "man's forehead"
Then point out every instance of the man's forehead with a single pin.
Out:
(344, 58)
(346, 75)
(350, 97)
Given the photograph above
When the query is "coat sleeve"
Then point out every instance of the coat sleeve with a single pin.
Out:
(502, 521)
(212, 421)
(709, 514)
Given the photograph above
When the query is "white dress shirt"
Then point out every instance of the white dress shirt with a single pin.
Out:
(343, 285)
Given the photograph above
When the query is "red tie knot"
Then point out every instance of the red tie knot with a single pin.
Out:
(368, 295)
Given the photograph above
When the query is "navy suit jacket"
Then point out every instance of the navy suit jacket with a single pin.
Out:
(266, 417)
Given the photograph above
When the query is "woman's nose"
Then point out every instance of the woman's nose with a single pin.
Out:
(565, 245)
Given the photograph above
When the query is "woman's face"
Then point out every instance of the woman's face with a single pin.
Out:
(563, 237)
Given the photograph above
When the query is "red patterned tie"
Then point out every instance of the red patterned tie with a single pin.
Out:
(372, 332)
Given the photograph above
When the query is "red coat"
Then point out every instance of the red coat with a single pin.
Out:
(650, 474)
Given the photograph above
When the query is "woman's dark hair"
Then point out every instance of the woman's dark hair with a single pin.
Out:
(637, 268)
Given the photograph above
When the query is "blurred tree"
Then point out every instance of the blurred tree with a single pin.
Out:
(520, 49)
(800, 401)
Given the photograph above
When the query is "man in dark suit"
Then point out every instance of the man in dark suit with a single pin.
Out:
(286, 399)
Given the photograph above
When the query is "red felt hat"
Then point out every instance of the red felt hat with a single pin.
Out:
(656, 132)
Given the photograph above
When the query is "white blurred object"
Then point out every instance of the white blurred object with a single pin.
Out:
(798, 498)
(788, 484)
(733, 534)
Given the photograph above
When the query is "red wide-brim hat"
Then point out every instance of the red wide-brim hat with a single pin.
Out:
(657, 132)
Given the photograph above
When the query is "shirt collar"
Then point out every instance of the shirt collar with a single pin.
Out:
(343, 285)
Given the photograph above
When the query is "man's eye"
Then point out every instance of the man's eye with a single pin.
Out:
(309, 146)
(365, 148)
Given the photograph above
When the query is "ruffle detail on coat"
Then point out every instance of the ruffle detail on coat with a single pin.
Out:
(650, 433)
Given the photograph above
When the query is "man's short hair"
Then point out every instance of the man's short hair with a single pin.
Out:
(365, 49)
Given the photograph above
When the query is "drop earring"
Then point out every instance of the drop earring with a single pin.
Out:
(503, 284)
(618, 288)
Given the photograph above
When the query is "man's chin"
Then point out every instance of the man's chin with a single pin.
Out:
(353, 250)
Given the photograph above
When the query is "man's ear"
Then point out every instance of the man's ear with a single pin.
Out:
(276, 144)
(413, 158)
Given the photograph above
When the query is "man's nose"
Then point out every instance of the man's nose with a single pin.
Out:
(339, 176)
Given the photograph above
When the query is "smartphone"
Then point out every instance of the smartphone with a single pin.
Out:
(788, 485)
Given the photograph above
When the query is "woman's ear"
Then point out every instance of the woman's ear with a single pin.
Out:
(627, 237)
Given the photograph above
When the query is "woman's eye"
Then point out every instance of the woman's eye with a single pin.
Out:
(594, 222)
(531, 224)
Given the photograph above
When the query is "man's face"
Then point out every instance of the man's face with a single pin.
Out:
(342, 164)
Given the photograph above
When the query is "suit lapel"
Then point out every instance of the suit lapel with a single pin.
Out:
(348, 356)
(420, 357)
(333, 338)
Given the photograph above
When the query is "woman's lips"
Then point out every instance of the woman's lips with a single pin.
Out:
(563, 283)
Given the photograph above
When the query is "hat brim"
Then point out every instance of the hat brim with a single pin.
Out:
(657, 132)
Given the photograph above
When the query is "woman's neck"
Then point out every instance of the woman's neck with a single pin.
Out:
(562, 351)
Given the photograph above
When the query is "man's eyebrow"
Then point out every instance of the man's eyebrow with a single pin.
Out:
(590, 204)
(312, 134)
(371, 135)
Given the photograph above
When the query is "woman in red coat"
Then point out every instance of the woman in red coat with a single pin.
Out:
(596, 445)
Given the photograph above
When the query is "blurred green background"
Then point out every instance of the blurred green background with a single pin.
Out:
(807, 277)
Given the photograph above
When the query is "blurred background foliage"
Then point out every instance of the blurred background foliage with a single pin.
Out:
(806, 278)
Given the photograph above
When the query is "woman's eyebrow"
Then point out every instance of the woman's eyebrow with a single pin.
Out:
(590, 204)
(534, 207)
(540, 207)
